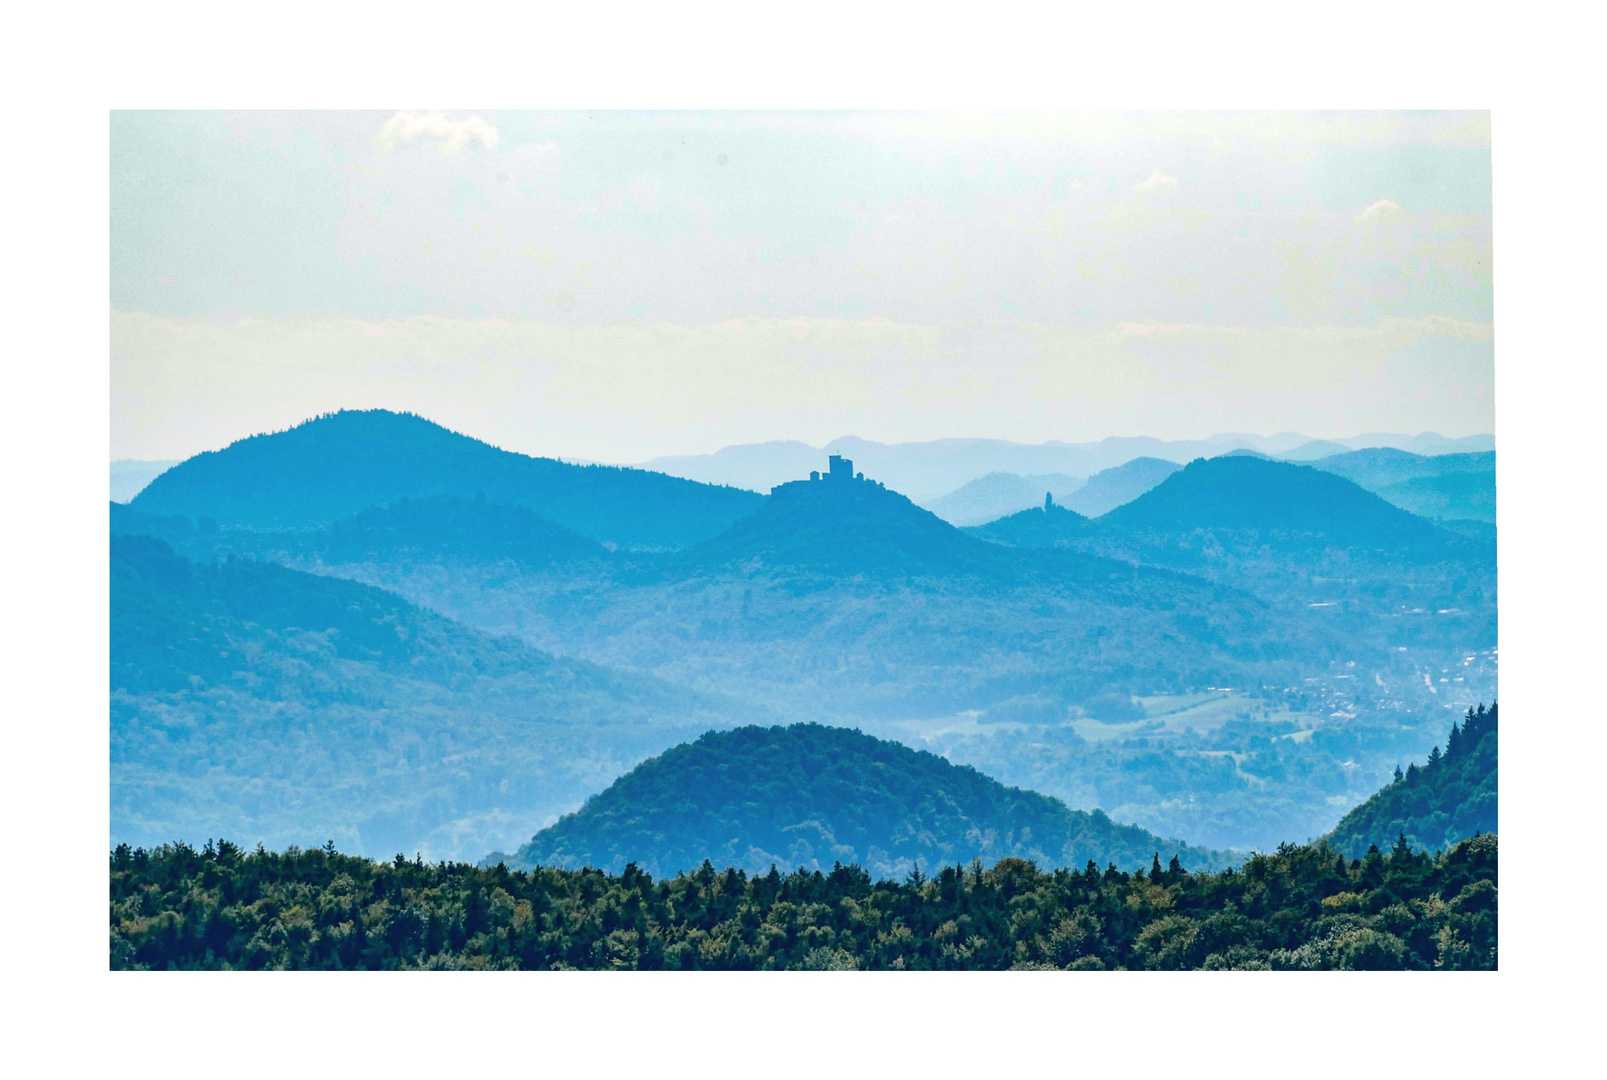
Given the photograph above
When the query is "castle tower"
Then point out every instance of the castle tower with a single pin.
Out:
(841, 468)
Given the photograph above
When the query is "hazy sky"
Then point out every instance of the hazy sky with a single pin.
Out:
(618, 286)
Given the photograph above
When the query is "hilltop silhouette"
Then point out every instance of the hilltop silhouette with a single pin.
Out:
(342, 463)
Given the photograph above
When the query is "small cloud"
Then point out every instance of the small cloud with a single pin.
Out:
(1383, 208)
(1156, 181)
(454, 134)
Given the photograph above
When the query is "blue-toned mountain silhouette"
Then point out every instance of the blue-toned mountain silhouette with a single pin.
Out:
(343, 463)
(846, 526)
(1446, 487)
(809, 796)
(990, 497)
(1280, 502)
(1041, 527)
(1110, 488)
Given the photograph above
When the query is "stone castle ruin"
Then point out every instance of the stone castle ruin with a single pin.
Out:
(842, 470)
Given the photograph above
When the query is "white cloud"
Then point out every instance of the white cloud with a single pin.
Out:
(1156, 181)
(1380, 210)
(454, 134)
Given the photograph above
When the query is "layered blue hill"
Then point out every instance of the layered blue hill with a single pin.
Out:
(1279, 501)
(842, 529)
(343, 463)
(1110, 488)
(1445, 487)
(1041, 527)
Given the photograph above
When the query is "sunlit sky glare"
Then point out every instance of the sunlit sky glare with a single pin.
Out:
(618, 286)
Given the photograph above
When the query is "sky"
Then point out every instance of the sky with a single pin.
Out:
(621, 286)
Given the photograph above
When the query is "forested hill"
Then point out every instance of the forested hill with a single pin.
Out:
(808, 796)
(1450, 797)
(343, 463)
(1113, 487)
(842, 529)
(255, 701)
(1293, 503)
(1040, 527)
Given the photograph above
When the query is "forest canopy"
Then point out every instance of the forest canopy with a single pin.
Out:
(1308, 907)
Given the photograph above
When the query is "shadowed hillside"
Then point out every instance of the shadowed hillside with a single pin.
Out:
(346, 462)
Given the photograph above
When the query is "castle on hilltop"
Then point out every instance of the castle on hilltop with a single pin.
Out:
(842, 470)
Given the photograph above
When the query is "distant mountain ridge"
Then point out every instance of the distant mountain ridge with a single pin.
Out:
(344, 463)
(928, 470)
(1116, 486)
(809, 796)
(1453, 487)
(996, 494)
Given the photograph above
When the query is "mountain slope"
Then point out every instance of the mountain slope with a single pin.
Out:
(439, 529)
(839, 527)
(255, 701)
(343, 463)
(1110, 488)
(129, 476)
(1458, 497)
(993, 496)
(807, 796)
(1382, 466)
(1040, 527)
(1452, 797)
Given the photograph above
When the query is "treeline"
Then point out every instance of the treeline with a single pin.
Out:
(1453, 794)
(1304, 907)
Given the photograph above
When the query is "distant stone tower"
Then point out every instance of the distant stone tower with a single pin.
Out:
(1048, 500)
(841, 468)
